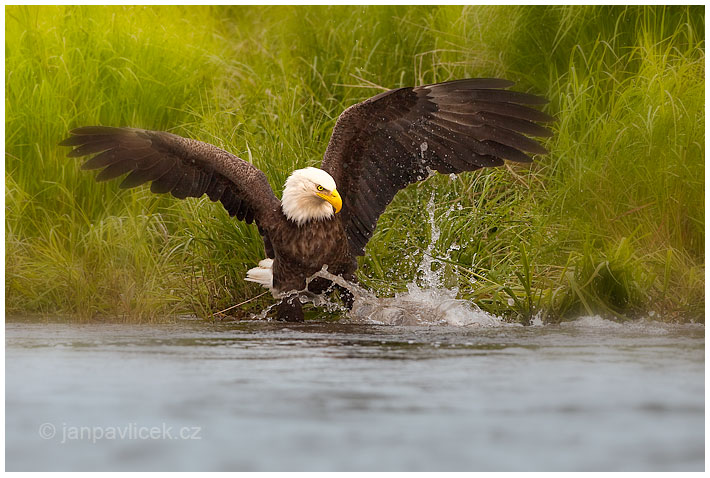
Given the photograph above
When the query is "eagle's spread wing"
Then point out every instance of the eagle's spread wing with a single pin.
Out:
(399, 137)
(184, 167)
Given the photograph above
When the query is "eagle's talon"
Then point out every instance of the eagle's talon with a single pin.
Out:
(290, 310)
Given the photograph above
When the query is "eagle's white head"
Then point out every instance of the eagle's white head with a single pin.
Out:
(310, 195)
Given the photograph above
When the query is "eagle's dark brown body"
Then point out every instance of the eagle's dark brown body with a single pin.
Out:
(301, 251)
(377, 148)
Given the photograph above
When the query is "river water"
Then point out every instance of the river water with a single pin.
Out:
(585, 395)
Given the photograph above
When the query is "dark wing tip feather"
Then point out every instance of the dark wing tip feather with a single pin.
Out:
(529, 99)
(543, 117)
(74, 153)
(472, 84)
(71, 141)
(91, 148)
(94, 130)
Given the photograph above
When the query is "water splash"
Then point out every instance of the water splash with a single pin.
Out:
(264, 313)
(428, 302)
(430, 278)
(417, 306)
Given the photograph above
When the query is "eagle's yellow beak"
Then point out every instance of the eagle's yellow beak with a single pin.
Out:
(334, 199)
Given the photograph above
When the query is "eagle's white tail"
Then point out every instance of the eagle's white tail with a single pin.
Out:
(262, 274)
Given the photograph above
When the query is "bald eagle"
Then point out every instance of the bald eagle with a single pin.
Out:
(326, 216)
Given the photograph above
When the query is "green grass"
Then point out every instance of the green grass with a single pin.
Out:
(611, 222)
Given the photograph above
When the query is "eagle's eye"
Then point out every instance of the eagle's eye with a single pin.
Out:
(320, 188)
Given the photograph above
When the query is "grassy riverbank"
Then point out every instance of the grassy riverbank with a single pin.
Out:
(611, 222)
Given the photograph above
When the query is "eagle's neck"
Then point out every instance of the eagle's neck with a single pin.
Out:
(300, 205)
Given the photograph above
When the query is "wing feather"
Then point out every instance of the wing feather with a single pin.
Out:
(166, 182)
(152, 169)
(401, 136)
(102, 160)
(181, 166)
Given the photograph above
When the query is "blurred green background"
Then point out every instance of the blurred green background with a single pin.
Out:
(611, 222)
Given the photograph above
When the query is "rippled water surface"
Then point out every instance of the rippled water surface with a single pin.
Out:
(586, 395)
